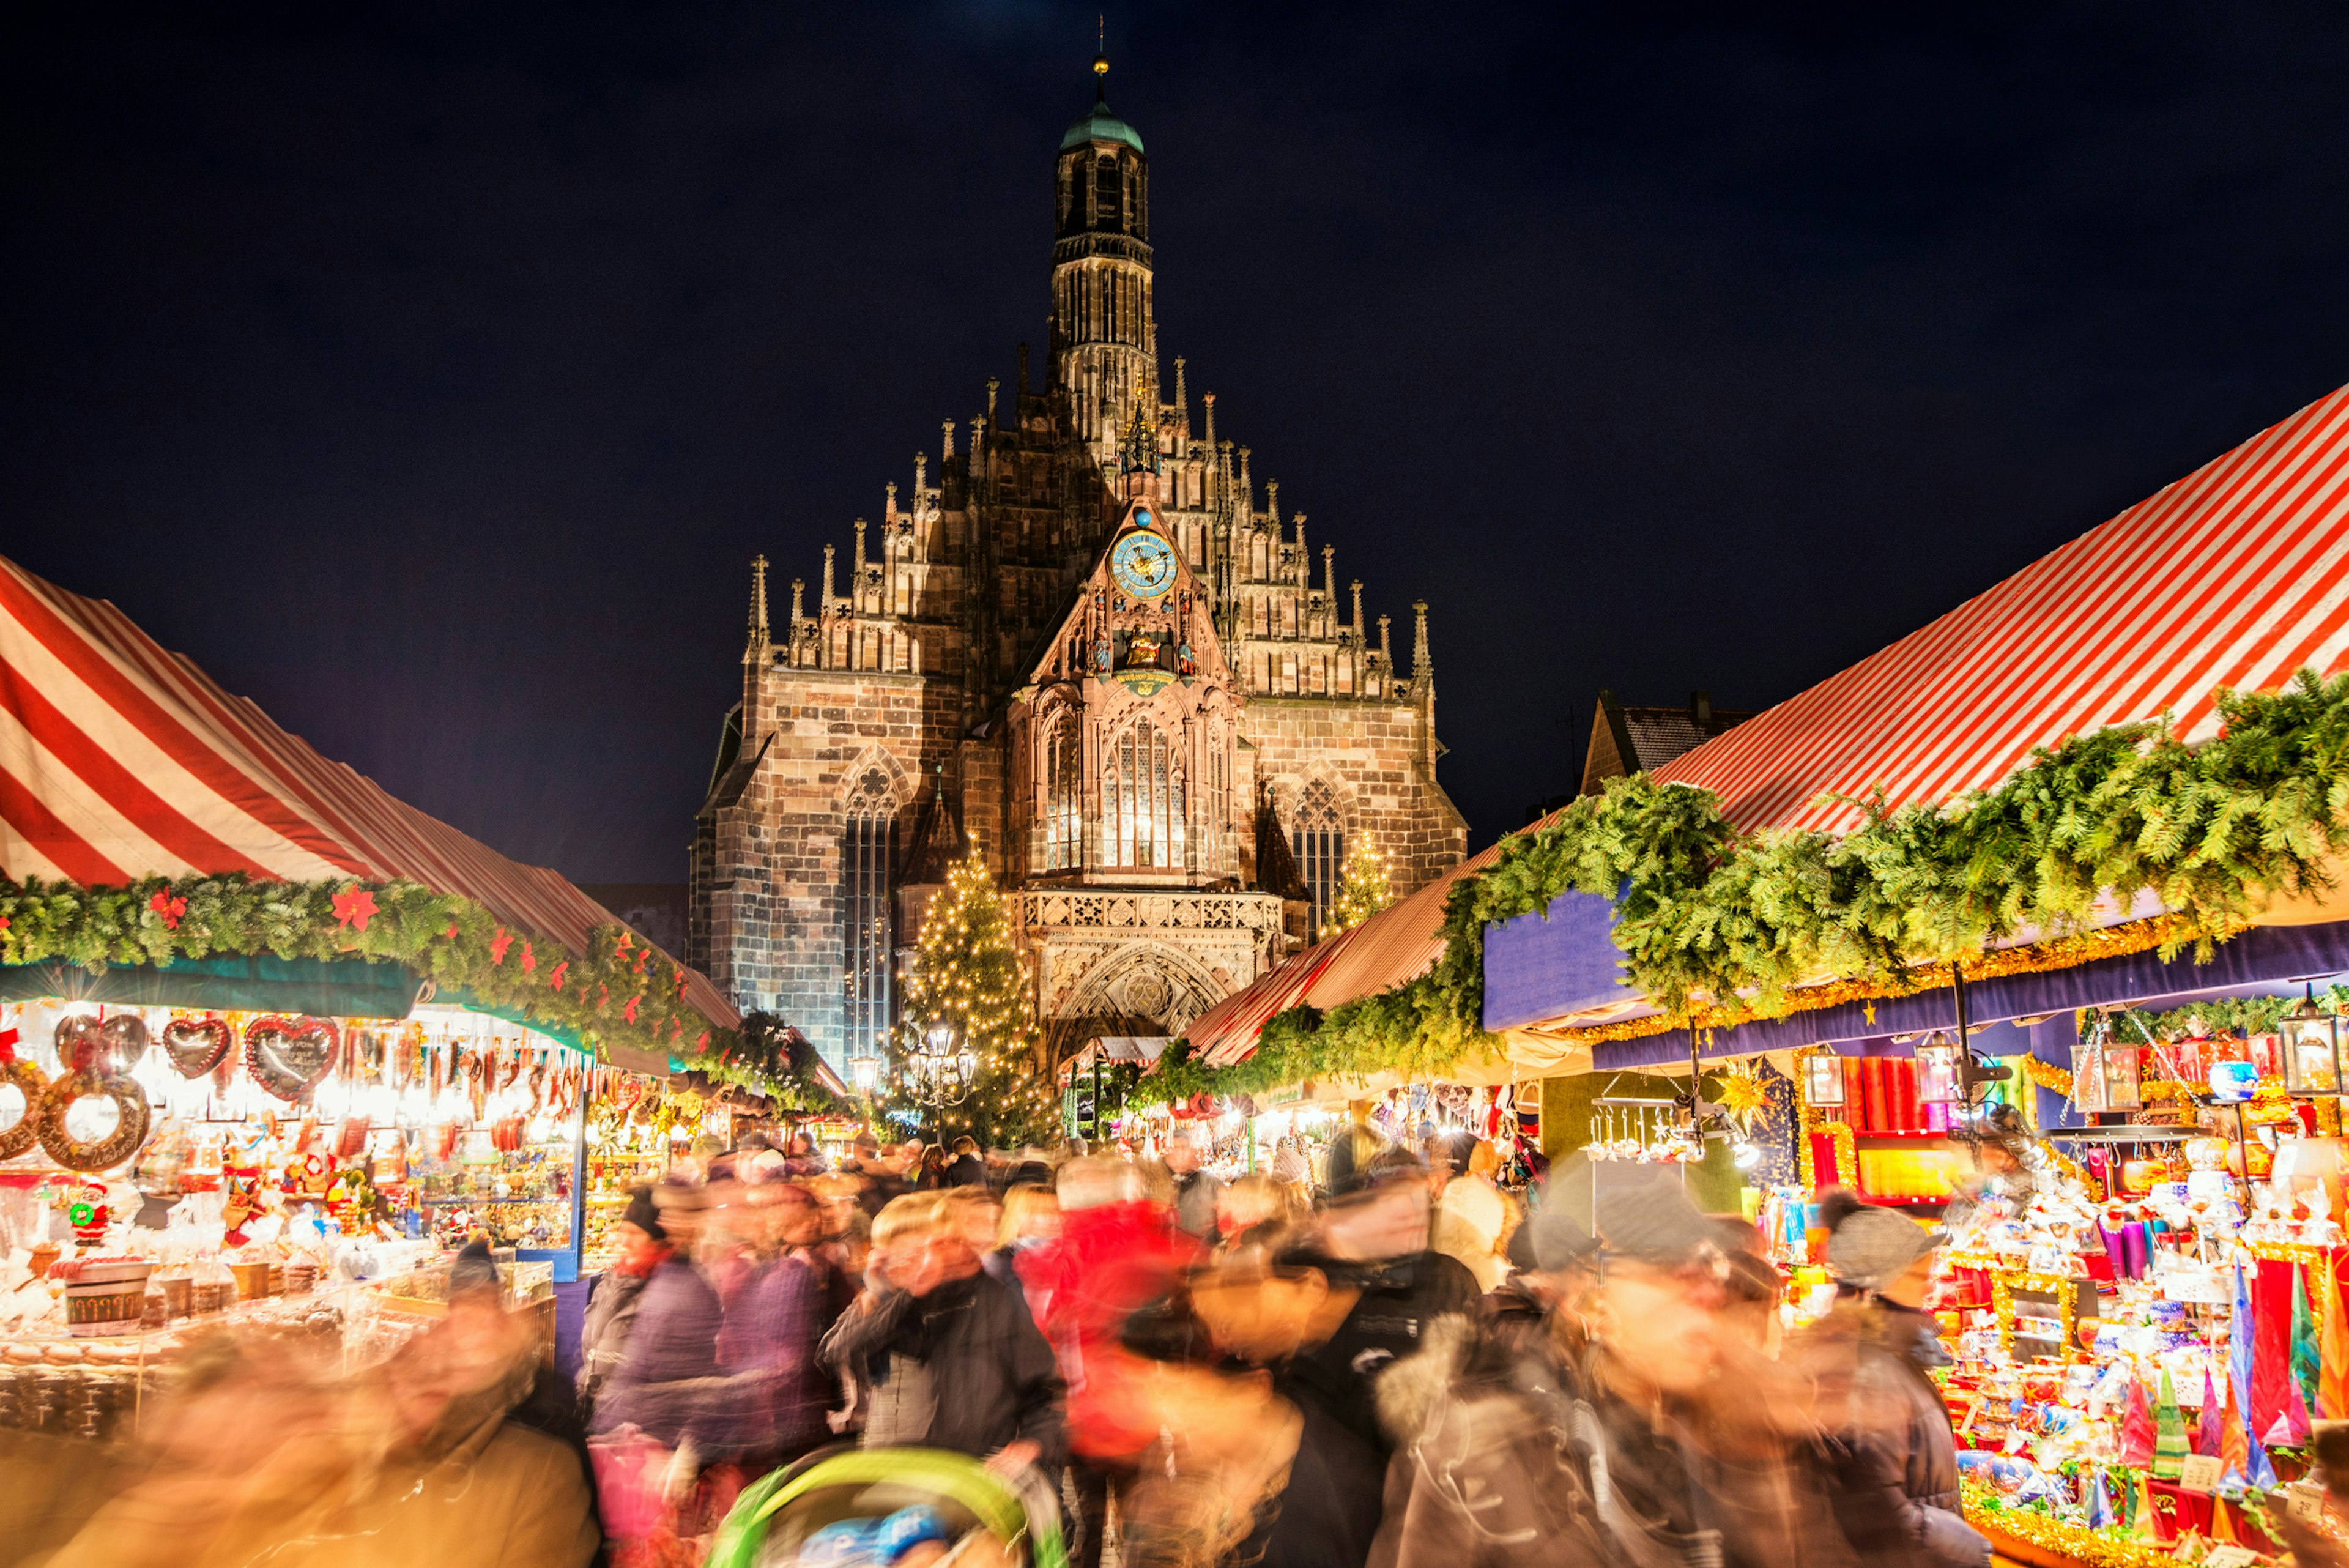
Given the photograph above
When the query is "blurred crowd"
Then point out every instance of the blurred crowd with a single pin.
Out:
(1398, 1365)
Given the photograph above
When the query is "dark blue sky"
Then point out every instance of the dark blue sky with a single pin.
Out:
(431, 373)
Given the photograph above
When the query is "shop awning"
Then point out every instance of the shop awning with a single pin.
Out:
(2236, 576)
(119, 760)
(1394, 947)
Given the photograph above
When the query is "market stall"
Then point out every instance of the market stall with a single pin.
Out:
(268, 1034)
(2026, 958)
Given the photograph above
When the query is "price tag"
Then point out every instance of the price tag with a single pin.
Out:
(2304, 1502)
(2202, 1473)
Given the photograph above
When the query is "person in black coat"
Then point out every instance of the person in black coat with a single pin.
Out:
(1372, 1243)
(950, 1355)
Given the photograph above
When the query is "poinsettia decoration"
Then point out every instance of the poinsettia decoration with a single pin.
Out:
(167, 908)
(354, 908)
(498, 946)
(555, 979)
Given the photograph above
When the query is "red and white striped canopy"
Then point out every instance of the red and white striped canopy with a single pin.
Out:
(119, 760)
(1394, 947)
(2236, 575)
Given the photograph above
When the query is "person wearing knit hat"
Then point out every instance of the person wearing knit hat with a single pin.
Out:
(1870, 1360)
(1885, 1251)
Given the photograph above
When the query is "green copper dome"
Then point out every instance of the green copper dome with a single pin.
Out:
(1100, 125)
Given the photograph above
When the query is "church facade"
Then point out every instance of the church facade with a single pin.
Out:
(1088, 642)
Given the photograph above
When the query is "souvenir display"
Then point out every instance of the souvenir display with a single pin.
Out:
(2142, 1295)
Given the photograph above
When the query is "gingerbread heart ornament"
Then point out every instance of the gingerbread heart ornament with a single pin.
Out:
(287, 1056)
(196, 1045)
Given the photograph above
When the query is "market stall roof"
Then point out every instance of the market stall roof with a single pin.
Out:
(2235, 575)
(1394, 947)
(119, 760)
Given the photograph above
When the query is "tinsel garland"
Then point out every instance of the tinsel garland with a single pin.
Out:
(620, 990)
(2058, 1081)
(2089, 1548)
(1716, 926)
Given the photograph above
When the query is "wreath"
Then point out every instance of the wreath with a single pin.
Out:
(20, 1134)
(130, 1121)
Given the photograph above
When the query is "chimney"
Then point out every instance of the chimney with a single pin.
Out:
(948, 455)
(1023, 369)
(1358, 612)
(921, 478)
(823, 603)
(991, 384)
(1700, 710)
(889, 507)
(1209, 399)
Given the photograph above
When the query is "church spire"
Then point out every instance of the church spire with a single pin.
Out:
(1421, 664)
(1140, 453)
(757, 651)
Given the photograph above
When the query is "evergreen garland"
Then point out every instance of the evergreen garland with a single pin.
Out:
(1718, 927)
(969, 980)
(620, 990)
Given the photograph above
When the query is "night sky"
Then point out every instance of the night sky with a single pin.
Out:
(432, 375)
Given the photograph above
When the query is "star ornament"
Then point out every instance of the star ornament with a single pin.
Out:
(354, 908)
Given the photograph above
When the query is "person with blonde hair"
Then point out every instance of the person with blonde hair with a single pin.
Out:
(1475, 1219)
(1255, 1202)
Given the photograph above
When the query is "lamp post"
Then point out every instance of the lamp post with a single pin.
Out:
(943, 1071)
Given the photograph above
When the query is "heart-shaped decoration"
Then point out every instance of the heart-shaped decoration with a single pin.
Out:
(287, 1056)
(196, 1045)
(78, 1041)
(126, 1040)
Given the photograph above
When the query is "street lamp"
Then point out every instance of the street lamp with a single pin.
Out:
(943, 1070)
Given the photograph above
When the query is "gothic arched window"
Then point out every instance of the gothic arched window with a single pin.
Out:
(1215, 830)
(1318, 834)
(1063, 791)
(1142, 799)
(868, 848)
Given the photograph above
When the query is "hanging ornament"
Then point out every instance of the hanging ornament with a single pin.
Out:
(195, 1045)
(287, 1056)
(21, 1134)
(131, 1121)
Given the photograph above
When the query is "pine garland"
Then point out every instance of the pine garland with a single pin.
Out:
(1717, 927)
(619, 991)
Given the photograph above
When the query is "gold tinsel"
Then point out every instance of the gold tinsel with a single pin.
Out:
(2058, 1081)
(2064, 952)
(2090, 1547)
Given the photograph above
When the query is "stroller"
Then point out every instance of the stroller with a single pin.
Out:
(892, 1508)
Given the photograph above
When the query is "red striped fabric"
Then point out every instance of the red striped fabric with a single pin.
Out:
(119, 760)
(1394, 947)
(2236, 575)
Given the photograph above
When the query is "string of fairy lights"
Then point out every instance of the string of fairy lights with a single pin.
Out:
(966, 1051)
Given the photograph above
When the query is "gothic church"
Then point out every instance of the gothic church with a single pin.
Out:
(1079, 642)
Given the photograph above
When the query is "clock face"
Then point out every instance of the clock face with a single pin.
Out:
(1144, 564)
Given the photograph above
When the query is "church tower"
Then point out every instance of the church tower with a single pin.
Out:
(1104, 342)
(1078, 636)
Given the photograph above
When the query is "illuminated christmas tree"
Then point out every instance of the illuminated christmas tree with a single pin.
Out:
(966, 1058)
(1363, 888)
